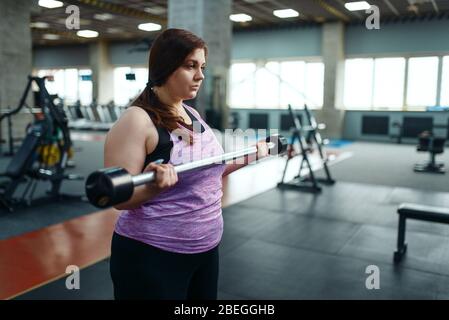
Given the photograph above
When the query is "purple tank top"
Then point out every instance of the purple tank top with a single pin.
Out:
(187, 217)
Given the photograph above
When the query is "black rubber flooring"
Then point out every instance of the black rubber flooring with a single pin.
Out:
(293, 245)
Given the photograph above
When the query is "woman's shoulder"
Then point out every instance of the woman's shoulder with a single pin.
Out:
(136, 115)
(134, 118)
(135, 111)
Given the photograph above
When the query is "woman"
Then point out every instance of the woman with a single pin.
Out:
(165, 244)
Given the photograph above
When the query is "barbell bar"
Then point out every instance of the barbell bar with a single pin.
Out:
(110, 186)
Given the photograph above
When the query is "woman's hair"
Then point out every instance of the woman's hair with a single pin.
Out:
(168, 52)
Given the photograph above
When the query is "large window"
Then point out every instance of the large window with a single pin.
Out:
(379, 83)
(314, 84)
(358, 83)
(85, 87)
(422, 82)
(445, 82)
(71, 84)
(242, 85)
(128, 83)
(292, 86)
(389, 83)
(275, 84)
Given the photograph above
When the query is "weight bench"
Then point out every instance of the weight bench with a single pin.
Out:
(416, 212)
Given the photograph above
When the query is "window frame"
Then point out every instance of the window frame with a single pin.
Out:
(440, 55)
(260, 63)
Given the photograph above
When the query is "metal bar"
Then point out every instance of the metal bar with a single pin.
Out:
(149, 176)
(401, 233)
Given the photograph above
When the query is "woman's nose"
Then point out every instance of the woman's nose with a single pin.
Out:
(199, 75)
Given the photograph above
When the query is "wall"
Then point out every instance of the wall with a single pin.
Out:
(287, 43)
(60, 57)
(417, 37)
(353, 124)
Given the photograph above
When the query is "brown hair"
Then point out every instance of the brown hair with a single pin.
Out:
(167, 53)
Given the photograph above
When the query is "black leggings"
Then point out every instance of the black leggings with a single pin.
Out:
(141, 271)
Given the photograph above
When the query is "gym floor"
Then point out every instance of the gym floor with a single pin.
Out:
(276, 244)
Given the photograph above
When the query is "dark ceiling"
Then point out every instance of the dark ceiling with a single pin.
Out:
(126, 15)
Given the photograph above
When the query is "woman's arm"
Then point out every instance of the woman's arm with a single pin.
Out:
(125, 147)
(262, 152)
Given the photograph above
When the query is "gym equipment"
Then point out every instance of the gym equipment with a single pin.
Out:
(92, 117)
(43, 155)
(308, 183)
(434, 145)
(96, 113)
(315, 135)
(297, 183)
(9, 114)
(416, 212)
(111, 186)
(77, 120)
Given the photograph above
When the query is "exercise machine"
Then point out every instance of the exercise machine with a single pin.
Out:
(314, 136)
(43, 155)
(307, 138)
(434, 145)
(308, 183)
(8, 116)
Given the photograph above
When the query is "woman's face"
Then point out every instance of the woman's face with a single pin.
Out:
(185, 82)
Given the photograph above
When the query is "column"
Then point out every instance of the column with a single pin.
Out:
(15, 60)
(210, 21)
(333, 54)
(102, 73)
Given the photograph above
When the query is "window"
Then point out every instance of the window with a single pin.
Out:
(358, 86)
(85, 86)
(242, 85)
(422, 81)
(267, 86)
(127, 90)
(379, 83)
(314, 84)
(389, 83)
(275, 84)
(445, 82)
(292, 85)
(71, 84)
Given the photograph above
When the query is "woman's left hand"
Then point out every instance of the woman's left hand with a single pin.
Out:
(262, 149)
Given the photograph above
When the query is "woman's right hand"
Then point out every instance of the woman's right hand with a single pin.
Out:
(166, 175)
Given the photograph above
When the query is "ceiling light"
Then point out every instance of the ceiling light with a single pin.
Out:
(286, 13)
(50, 36)
(50, 4)
(358, 5)
(240, 17)
(149, 26)
(39, 25)
(103, 16)
(87, 34)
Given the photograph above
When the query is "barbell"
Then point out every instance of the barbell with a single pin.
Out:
(110, 186)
